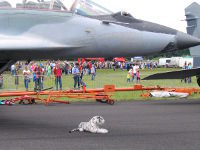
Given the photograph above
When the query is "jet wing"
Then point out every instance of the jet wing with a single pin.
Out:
(174, 74)
(13, 48)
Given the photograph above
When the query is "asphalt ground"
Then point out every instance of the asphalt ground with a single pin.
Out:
(139, 125)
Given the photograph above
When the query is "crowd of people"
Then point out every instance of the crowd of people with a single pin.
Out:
(186, 67)
(53, 69)
(37, 71)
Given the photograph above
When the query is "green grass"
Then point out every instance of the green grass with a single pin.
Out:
(106, 77)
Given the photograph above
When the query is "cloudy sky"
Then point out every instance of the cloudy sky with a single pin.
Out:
(165, 12)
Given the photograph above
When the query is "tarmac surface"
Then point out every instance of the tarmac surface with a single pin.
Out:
(139, 125)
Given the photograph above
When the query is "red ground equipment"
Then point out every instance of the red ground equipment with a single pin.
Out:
(101, 95)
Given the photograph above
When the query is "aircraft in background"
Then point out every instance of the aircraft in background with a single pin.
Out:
(192, 13)
(56, 29)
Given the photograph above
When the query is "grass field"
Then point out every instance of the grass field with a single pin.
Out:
(105, 77)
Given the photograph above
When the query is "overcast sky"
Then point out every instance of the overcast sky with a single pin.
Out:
(165, 12)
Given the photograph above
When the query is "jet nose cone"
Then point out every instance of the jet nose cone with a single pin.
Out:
(184, 40)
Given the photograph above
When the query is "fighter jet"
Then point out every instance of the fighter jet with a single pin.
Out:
(53, 29)
(192, 13)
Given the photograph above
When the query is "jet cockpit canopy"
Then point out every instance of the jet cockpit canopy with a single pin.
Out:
(81, 7)
(89, 8)
(33, 4)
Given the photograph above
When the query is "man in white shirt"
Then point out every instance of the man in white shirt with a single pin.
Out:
(135, 67)
(13, 70)
(76, 75)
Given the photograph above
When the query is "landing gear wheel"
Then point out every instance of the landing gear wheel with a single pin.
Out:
(111, 102)
(198, 81)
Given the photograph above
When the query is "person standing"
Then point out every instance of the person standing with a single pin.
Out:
(32, 66)
(131, 74)
(49, 70)
(42, 77)
(58, 76)
(13, 70)
(134, 71)
(26, 74)
(114, 65)
(76, 74)
(138, 75)
(66, 67)
(38, 77)
(128, 77)
(151, 66)
(93, 72)
(81, 76)
(185, 67)
(17, 75)
(189, 67)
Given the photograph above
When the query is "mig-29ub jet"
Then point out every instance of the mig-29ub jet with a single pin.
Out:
(56, 29)
(192, 13)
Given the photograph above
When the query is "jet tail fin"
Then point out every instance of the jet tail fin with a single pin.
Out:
(192, 13)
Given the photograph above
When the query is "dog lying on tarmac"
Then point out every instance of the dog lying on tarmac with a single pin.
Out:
(93, 126)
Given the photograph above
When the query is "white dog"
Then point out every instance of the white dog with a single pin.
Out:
(92, 126)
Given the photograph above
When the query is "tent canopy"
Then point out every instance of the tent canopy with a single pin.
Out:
(119, 59)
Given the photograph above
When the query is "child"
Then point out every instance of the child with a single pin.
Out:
(138, 76)
(128, 78)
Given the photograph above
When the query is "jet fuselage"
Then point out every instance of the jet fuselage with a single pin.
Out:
(39, 34)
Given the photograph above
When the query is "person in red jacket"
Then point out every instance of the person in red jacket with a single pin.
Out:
(58, 76)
